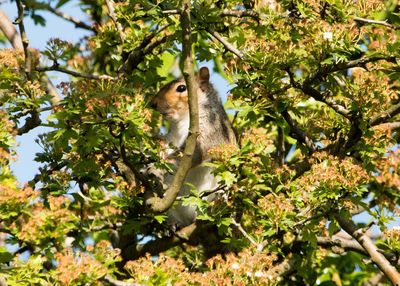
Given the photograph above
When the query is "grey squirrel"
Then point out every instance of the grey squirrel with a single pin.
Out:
(215, 129)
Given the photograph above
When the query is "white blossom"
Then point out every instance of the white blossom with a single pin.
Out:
(328, 36)
(235, 266)
(259, 274)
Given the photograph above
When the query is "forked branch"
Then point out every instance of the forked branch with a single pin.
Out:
(379, 259)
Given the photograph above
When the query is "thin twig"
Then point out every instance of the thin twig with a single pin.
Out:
(327, 99)
(138, 54)
(73, 73)
(78, 23)
(378, 258)
(245, 234)
(156, 203)
(297, 133)
(307, 88)
(226, 44)
(111, 13)
(240, 13)
(24, 38)
(376, 22)
(171, 12)
(385, 115)
(42, 109)
(189, 234)
(328, 69)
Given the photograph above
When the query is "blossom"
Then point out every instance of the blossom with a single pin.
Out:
(328, 36)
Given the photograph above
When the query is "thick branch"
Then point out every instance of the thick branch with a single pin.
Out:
(56, 67)
(390, 125)
(226, 44)
(285, 267)
(19, 42)
(346, 244)
(8, 29)
(380, 260)
(162, 204)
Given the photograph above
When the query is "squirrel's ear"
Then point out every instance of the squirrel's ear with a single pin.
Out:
(204, 74)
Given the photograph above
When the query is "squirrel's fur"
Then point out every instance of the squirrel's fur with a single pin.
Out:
(214, 129)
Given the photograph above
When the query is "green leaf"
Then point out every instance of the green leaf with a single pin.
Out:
(5, 256)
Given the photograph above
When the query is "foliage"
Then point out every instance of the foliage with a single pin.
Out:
(316, 92)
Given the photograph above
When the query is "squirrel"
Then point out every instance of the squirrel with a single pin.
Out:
(215, 129)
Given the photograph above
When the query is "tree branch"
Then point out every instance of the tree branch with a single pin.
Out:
(328, 69)
(78, 23)
(8, 29)
(347, 245)
(385, 115)
(30, 123)
(285, 267)
(240, 13)
(297, 133)
(307, 88)
(56, 67)
(307, 85)
(245, 234)
(155, 247)
(171, 12)
(376, 22)
(226, 44)
(390, 125)
(380, 260)
(24, 38)
(327, 99)
(162, 204)
(138, 54)
(111, 13)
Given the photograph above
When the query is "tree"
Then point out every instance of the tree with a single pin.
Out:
(316, 101)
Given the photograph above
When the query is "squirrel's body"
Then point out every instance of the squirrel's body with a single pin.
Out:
(214, 130)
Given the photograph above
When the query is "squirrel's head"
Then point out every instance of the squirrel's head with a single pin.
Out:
(172, 99)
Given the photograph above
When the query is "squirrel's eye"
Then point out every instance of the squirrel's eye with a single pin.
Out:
(181, 88)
